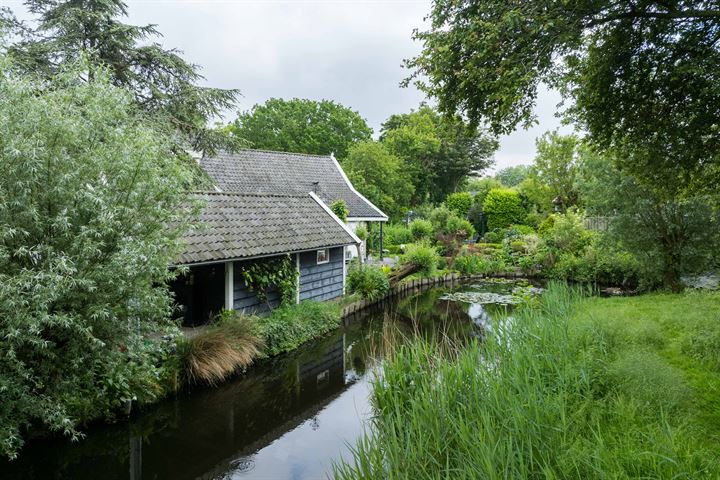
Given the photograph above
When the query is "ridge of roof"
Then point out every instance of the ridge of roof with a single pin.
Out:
(247, 194)
(280, 152)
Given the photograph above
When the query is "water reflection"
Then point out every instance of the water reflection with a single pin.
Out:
(288, 418)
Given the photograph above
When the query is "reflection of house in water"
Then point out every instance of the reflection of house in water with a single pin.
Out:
(224, 427)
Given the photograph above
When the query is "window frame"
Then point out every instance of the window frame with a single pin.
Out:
(326, 254)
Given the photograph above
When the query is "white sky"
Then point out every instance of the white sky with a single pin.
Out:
(349, 51)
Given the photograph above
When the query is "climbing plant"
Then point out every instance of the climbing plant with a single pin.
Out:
(261, 275)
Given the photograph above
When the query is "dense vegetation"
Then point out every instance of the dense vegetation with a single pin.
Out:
(570, 388)
(91, 211)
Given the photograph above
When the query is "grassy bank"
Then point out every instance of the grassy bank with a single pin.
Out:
(234, 341)
(574, 388)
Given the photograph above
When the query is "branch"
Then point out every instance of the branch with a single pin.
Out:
(676, 15)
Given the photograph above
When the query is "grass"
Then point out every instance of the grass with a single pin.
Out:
(573, 388)
(224, 348)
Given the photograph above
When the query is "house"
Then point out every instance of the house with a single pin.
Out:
(266, 172)
(239, 229)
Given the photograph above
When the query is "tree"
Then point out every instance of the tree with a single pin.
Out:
(512, 176)
(340, 209)
(161, 82)
(91, 211)
(440, 152)
(302, 126)
(554, 165)
(380, 176)
(642, 75)
(671, 237)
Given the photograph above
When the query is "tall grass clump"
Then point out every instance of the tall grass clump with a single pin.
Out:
(289, 326)
(227, 346)
(424, 257)
(544, 396)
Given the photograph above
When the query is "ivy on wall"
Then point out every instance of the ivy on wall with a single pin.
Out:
(261, 275)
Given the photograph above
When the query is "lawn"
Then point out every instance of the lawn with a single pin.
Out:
(572, 388)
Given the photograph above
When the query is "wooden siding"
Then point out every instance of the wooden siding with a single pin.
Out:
(246, 301)
(324, 281)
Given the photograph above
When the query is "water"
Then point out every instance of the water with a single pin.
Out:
(289, 418)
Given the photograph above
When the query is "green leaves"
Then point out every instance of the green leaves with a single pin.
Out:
(302, 126)
(91, 212)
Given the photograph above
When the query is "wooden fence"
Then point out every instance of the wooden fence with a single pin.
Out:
(598, 224)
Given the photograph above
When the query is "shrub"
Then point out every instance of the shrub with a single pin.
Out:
(473, 264)
(289, 326)
(568, 234)
(503, 208)
(361, 232)
(397, 234)
(368, 281)
(423, 256)
(459, 203)
(340, 208)
(225, 347)
(421, 229)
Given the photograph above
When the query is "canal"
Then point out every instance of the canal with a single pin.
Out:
(288, 418)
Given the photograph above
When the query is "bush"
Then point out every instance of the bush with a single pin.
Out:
(424, 257)
(459, 203)
(503, 208)
(367, 281)
(567, 233)
(361, 232)
(340, 209)
(289, 326)
(92, 205)
(397, 234)
(421, 229)
(228, 345)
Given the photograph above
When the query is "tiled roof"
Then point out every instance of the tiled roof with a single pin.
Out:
(260, 171)
(236, 225)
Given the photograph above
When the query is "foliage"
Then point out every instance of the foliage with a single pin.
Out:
(537, 198)
(567, 233)
(445, 222)
(380, 176)
(265, 273)
(397, 234)
(368, 281)
(459, 203)
(361, 232)
(301, 126)
(421, 229)
(575, 389)
(503, 208)
(160, 81)
(423, 256)
(228, 345)
(473, 264)
(512, 176)
(291, 325)
(480, 187)
(340, 209)
(91, 211)
(485, 59)
(555, 166)
(439, 151)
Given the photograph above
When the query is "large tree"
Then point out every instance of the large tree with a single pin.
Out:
(380, 176)
(440, 152)
(642, 75)
(91, 211)
(160, 80)
(301, 125)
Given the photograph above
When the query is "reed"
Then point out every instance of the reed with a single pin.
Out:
(557, 392)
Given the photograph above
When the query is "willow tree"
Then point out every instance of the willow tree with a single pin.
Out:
(91, 212)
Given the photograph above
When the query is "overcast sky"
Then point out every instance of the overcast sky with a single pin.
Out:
(349, 51)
